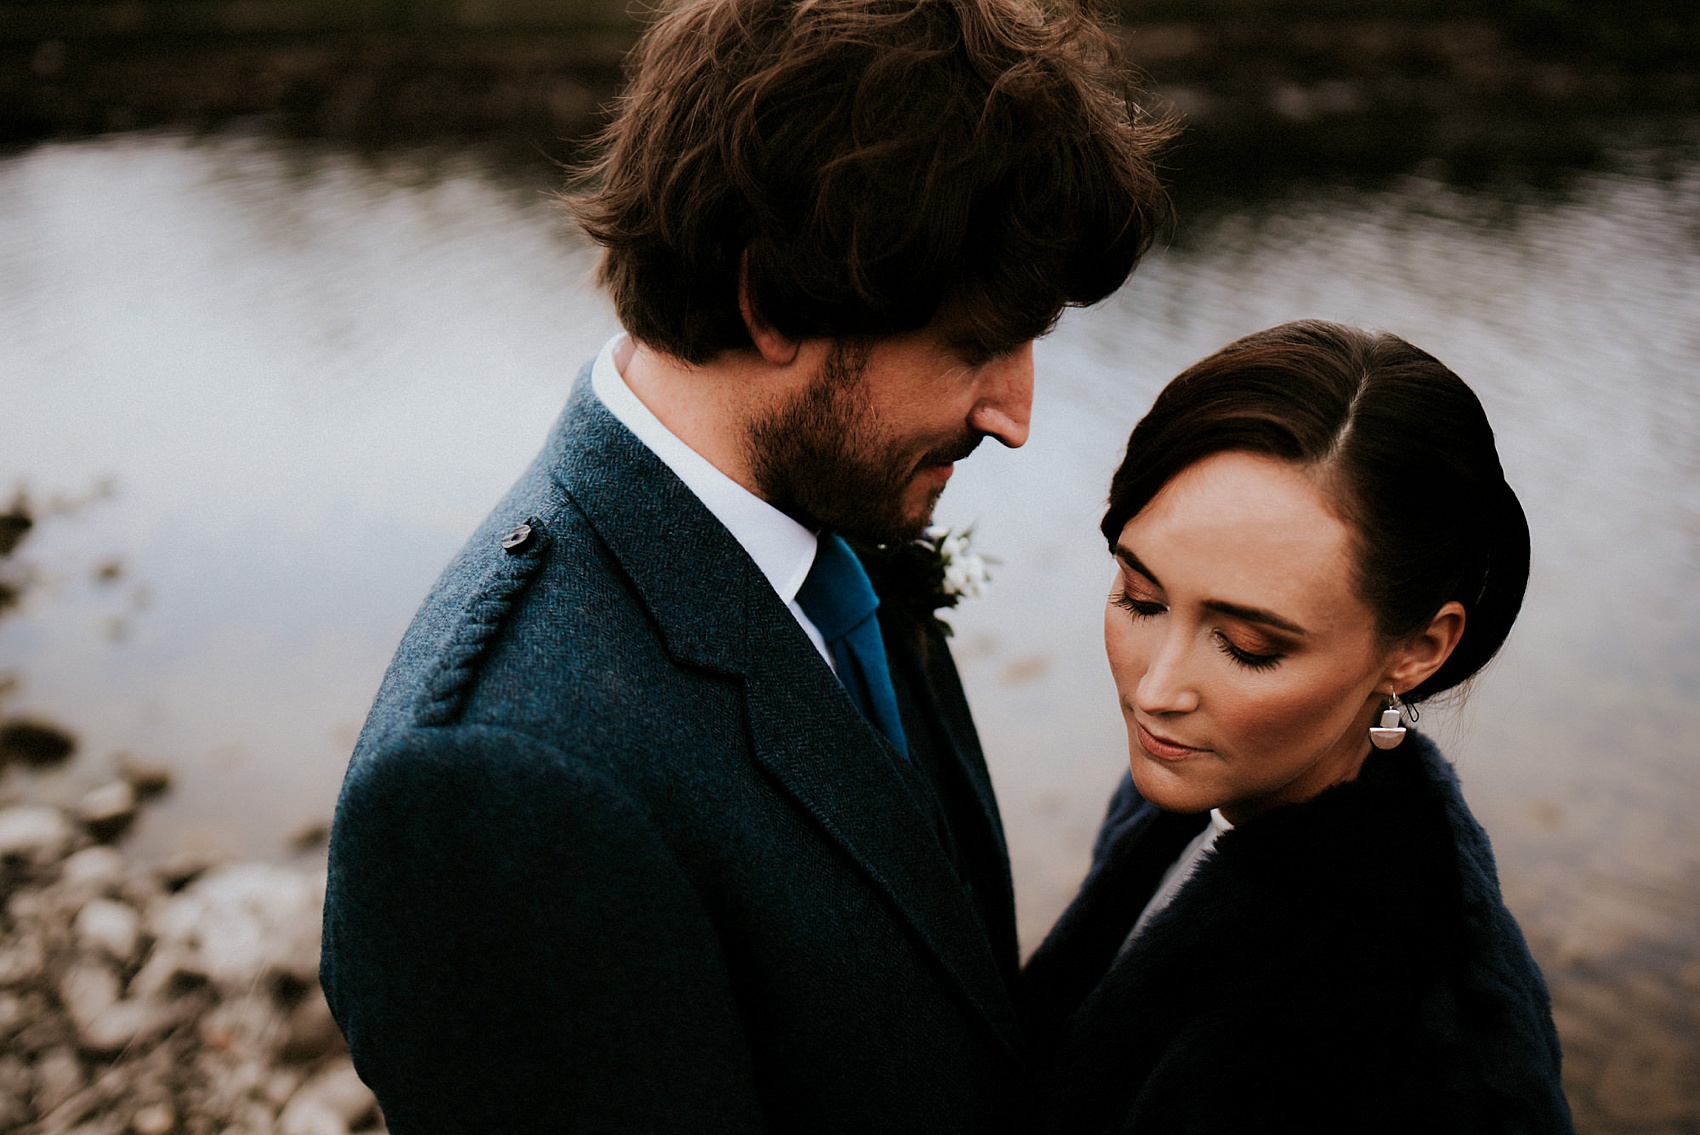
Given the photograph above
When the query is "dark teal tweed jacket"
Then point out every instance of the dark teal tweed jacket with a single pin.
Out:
(615, 853)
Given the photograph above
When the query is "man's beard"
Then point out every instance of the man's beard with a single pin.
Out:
(824, 459)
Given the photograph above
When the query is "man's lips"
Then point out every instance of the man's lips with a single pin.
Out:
(940, 461)
(951, 454)
(1162, 748)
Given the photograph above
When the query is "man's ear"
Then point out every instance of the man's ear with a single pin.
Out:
(1420, 656)
(773, 346)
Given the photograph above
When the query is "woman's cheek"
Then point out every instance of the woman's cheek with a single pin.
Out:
(1121, 646)
(1280, 722)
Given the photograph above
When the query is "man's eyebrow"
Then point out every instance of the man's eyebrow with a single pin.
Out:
(976, 351)
(1234, 610)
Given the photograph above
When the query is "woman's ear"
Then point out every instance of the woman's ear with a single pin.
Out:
(770, 344)
(1420, 656)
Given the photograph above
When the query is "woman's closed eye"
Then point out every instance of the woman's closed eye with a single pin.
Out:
(1257, 654)
(1137, 606)
(1252, 658)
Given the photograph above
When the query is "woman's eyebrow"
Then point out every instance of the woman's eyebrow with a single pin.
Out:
(1126, 556)
(1233, 610)
(1254, 615)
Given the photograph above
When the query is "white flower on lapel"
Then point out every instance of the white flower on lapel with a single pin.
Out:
(965, 574)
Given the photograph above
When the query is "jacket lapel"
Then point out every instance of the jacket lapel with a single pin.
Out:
(938, 719)
(814, 742)
(715, 609)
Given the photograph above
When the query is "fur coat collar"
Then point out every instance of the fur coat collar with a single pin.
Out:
(1345, 964)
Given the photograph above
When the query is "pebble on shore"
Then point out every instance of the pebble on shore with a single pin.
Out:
(141, 1001)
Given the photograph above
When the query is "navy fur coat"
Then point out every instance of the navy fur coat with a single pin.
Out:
(1341, 965)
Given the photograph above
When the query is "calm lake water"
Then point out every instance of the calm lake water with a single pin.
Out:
(264, 392)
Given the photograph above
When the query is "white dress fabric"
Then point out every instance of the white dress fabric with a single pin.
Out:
(1180, 871)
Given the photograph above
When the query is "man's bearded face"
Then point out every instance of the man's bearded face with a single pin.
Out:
(862, 450)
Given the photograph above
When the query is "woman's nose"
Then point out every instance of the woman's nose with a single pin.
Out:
(1166, 686)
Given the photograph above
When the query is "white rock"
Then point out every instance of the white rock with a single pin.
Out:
(114, 928)
(49, 913)
(281, 1085)
(153, 1119)
(22, 961)
(12, 1014)
(92, 871)
(109, 807)
(87, 990)
(251, 1117)
(39, 835)
(328, 1104)
(310, 1118)
(154, 978)
(237, 923)
(126, 1023)
(247, 1025)
(230, 1089)
(147, 778)
(58, 1076)
(141, 889)
(28, 904)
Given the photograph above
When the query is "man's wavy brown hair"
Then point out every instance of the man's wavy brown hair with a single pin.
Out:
(871, 164)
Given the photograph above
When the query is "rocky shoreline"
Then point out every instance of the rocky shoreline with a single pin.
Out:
(158, 999)
(151, 999)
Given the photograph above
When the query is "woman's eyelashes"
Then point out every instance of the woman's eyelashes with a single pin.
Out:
(1136, 605)
(1251, 657)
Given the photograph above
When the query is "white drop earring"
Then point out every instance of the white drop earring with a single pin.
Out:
(1390, 732)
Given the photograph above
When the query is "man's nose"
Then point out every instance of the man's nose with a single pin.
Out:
(1005, 405)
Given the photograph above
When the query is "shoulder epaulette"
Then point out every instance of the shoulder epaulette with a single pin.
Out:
(493, 597)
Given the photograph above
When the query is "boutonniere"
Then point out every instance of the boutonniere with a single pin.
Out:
(927, 575)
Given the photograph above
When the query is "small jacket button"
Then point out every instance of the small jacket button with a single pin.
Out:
(517, 540)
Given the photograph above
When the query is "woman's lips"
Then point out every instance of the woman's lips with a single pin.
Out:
(1163, 749)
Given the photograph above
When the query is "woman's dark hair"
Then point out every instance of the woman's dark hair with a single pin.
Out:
(870, 164)
(1404, 448)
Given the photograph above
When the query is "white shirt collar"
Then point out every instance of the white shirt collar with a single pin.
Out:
(783, 549)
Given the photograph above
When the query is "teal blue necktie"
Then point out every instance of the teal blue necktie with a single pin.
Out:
(840, 602)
